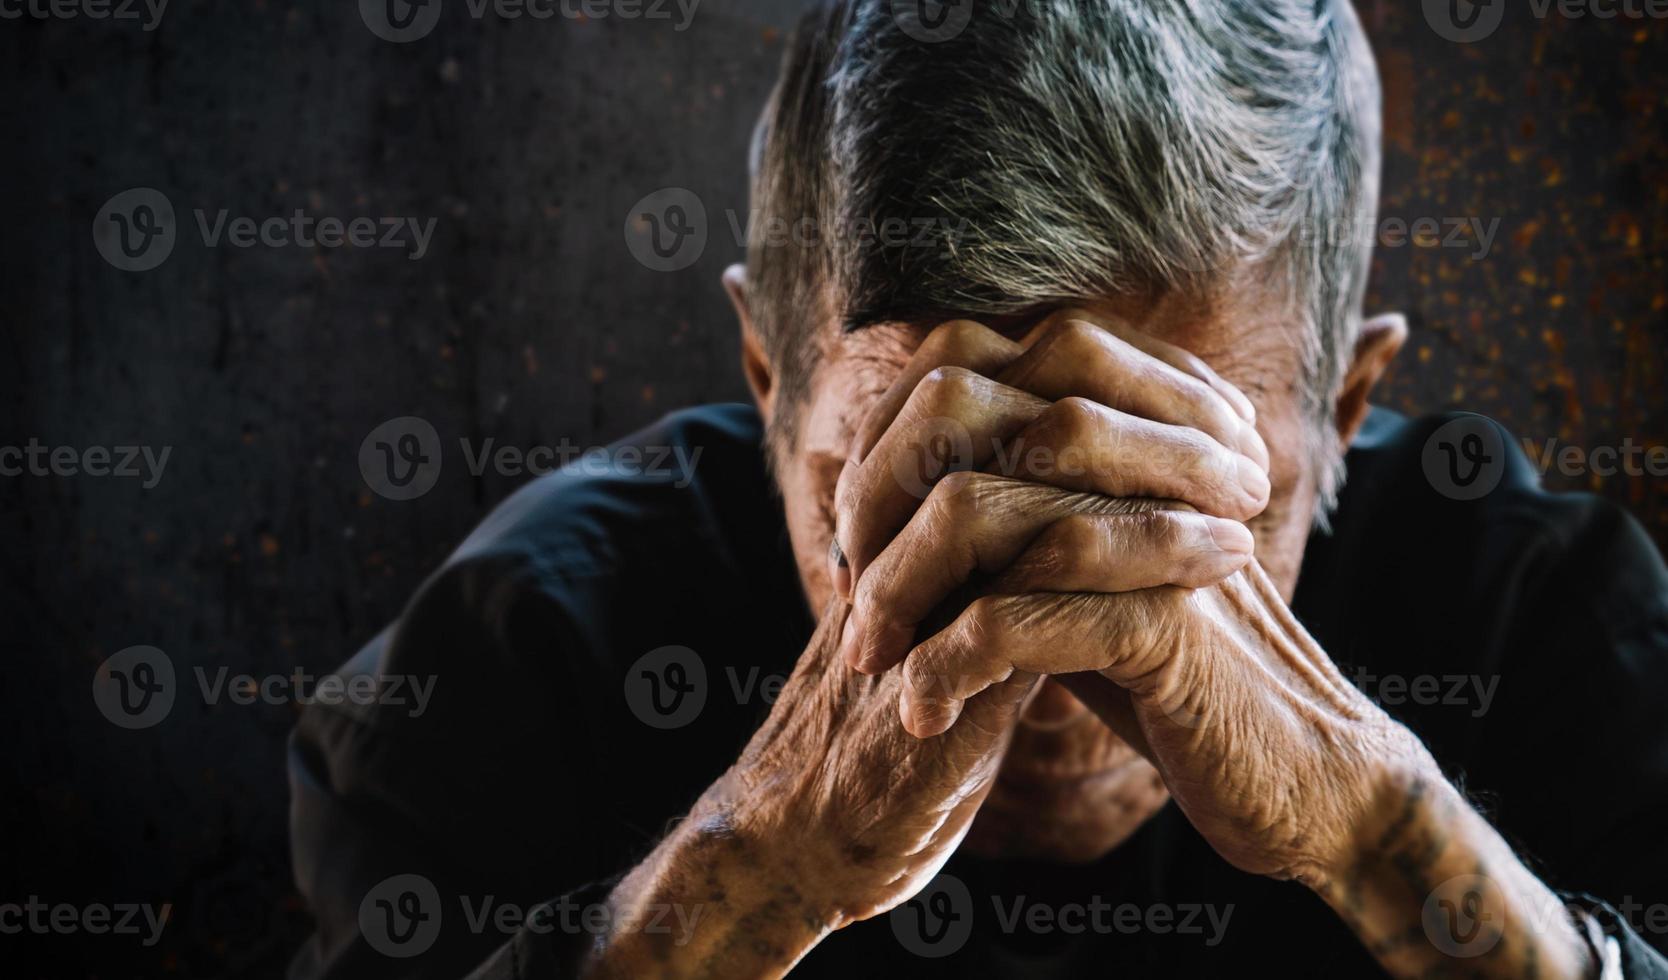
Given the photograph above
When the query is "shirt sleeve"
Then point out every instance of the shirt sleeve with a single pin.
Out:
(1617, 948)
(431, 825)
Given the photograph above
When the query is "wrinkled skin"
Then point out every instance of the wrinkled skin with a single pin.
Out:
(1065, 548)
(1070, 789)
(1258, 733)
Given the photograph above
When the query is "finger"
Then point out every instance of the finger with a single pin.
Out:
(1037, 633)
(1182, 360)
(1041, 540)
(1076, 357)
(991, 714)
(958, 343)
(1090, 552)
(957, 421)
(1079, 444)
(954, 421)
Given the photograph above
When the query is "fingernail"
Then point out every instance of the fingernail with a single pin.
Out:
(1229, 537)
(1253, 479)
(839, 570)
(928, 716)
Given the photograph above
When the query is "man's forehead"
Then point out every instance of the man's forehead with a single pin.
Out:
(1249, 319)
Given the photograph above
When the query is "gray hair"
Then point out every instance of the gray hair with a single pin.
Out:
(1056, 150)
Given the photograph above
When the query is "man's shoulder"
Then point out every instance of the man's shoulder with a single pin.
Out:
(1463, 483)
(626, 547)
(1444, 519)
(679, 476)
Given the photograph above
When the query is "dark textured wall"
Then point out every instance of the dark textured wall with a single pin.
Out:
(529, 321)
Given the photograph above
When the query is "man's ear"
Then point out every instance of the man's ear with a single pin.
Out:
(754, 363)
(1381, 337)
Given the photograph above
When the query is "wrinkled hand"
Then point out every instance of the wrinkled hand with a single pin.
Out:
(832, 771)
(1274, 757)
(866, 812)
(1110, 565)
(1090, 421)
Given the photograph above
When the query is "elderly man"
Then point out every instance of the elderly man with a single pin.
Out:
(1027, 626)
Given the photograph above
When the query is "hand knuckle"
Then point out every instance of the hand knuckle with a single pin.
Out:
(951, 492)
(944, 389)
(919, 673)
(870, 598)
(957, 335)
(1070, 420)
(984, 622)
(1165, 529)
(1083, 539)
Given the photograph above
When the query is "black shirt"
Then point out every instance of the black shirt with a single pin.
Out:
(1522, 635)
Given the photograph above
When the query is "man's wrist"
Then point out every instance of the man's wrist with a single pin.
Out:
(1431, 885)
(716, 898)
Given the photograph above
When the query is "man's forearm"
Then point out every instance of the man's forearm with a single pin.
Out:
(709, 901)
(1437, 892)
